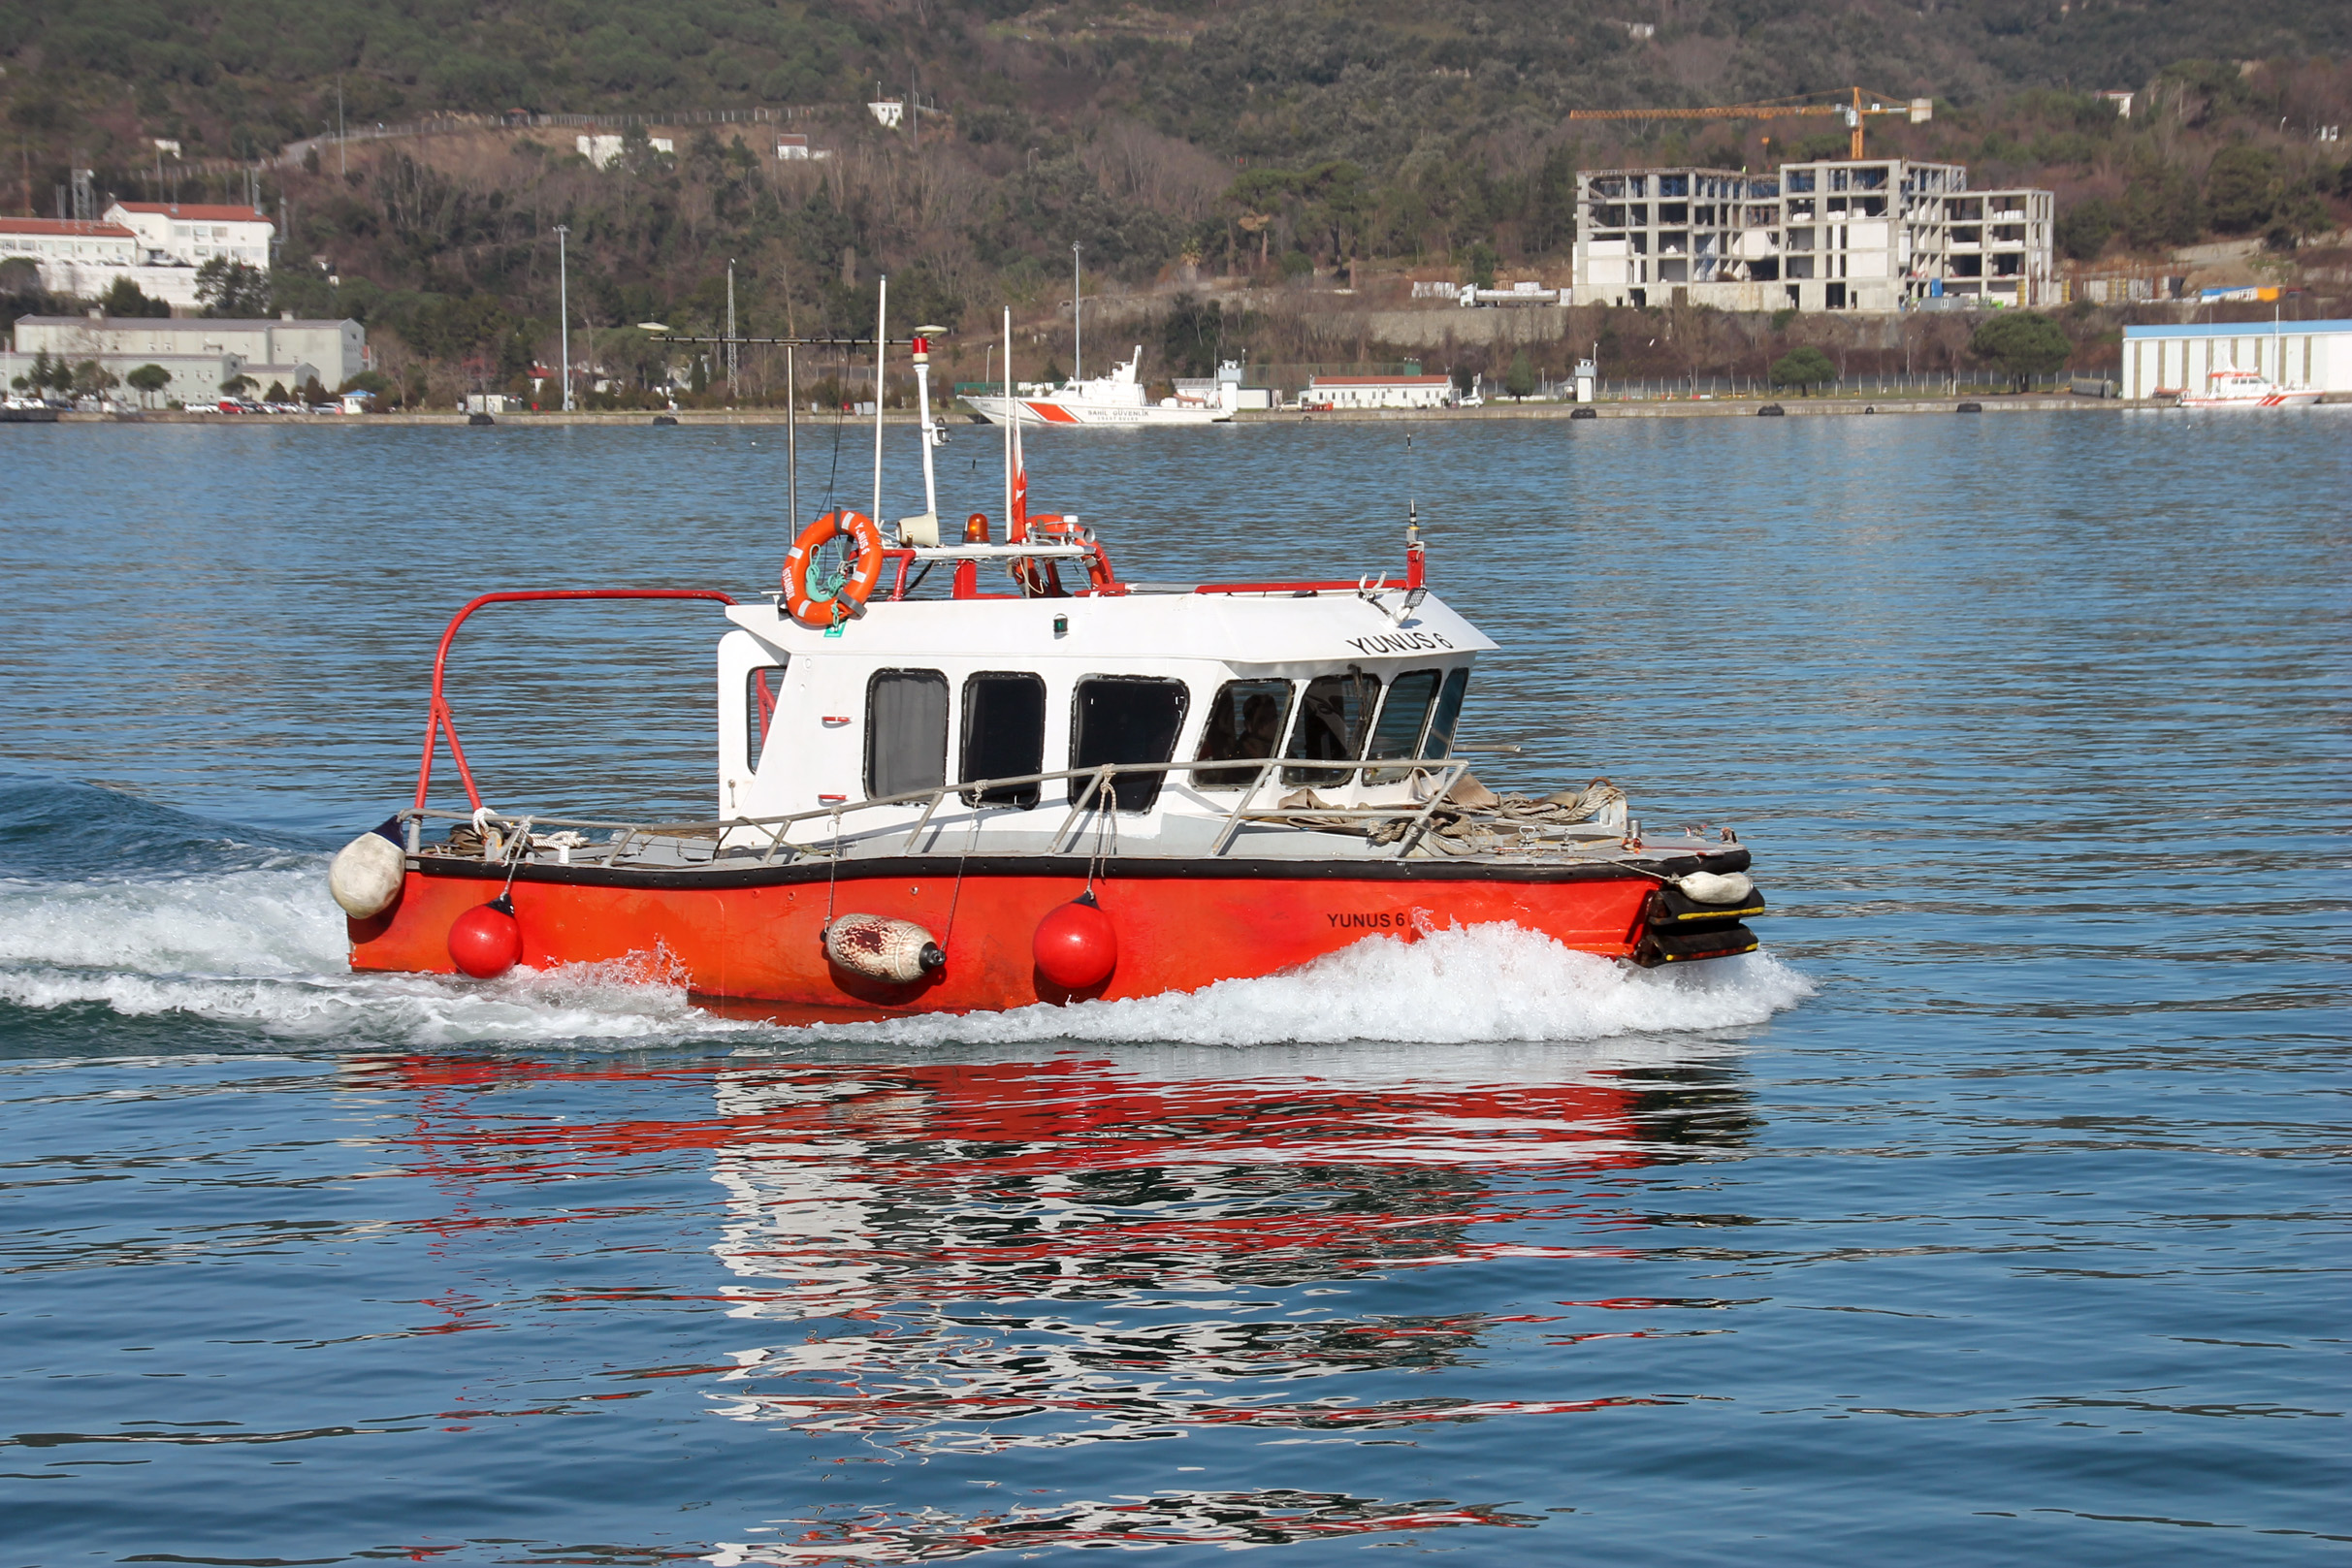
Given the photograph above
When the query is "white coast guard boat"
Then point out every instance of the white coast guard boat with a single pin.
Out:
(1117, 399)
(2247, 389)
(1062, 785)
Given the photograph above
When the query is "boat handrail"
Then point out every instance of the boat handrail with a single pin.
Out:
(1444, 774)
(437, 717)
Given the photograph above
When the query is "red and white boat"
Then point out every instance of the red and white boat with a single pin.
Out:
(1072, 785)
(2247, 389)
(1116, 399)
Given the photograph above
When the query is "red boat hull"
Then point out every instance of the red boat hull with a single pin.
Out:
(756, 938)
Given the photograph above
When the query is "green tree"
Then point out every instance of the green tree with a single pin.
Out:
(147, 380)
(1520, 379)
(2161, 206)
(1551, 221)
(124, 299)
(1192, 336)
(2301, 215)
(2084, 228)
(2243, 186)
(2020, 345)
(228, 288)
(1482, 261)
(1803, 368)
(91, 379)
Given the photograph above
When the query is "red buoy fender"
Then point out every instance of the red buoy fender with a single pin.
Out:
(486, 941)
(1075, 944)
(809, 608)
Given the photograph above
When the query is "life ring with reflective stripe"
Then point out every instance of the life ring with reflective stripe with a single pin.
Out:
(829, 599)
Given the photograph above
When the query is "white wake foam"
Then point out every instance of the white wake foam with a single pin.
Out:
(1466, 985)
(266, 950)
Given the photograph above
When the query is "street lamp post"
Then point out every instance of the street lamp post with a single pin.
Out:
(1077, 328)
(563, 307)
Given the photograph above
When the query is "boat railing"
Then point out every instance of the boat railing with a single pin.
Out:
(1099, 796)
(441, 723)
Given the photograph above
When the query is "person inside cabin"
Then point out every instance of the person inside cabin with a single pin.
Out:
(1243, 724)
(1261, 726)
(1217, 742)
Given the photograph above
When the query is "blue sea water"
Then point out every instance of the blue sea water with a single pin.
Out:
(1994, 1214)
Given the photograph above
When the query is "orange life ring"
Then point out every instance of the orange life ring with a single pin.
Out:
(840, 599)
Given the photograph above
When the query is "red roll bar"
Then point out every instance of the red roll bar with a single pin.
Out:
(436, 718)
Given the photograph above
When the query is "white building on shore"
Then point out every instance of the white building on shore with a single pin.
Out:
(158, 245)
(201, 352)
(2165, 360)
(1860, 235)
(1378, 392)
(184, 234)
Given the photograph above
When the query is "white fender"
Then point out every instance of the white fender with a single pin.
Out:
(368, 875)
(898, 951)
(1716, 886)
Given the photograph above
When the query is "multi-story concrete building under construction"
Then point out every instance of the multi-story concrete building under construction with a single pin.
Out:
(1880, 234)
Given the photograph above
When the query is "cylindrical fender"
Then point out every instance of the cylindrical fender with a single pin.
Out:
(897, 951)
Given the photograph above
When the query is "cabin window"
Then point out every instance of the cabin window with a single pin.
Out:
(906, 731)
(1332, 719)
(1403, 717)
(1125, 719)
(762, 689)
(1441, 739)
(1244, 723)
(1004, 735)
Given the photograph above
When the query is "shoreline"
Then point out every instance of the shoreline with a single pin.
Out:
(1697, 409)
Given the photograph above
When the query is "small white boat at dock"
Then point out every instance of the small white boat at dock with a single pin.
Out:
(2247, 389)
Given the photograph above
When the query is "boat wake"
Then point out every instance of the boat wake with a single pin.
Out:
(1463, 986)
(264, 953)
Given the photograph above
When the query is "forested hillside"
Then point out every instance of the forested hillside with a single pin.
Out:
(1269, 140)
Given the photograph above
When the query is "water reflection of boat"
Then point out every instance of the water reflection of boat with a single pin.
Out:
(960, 1231)
(1232, 1519)
(971, 1257)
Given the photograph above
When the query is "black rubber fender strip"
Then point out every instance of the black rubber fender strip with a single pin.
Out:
(1674, 909)
(749, 873)
(1689, 946)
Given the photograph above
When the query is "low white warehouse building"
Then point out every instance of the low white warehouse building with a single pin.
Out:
(2163, 361)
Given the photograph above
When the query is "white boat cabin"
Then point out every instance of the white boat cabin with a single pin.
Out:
(918, 695)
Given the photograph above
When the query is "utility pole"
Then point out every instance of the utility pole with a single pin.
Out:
(342, 158)
(1077, 328)
(564, 308)
(733, 353)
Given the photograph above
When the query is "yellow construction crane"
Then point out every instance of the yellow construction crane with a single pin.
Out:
(1864, 104)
